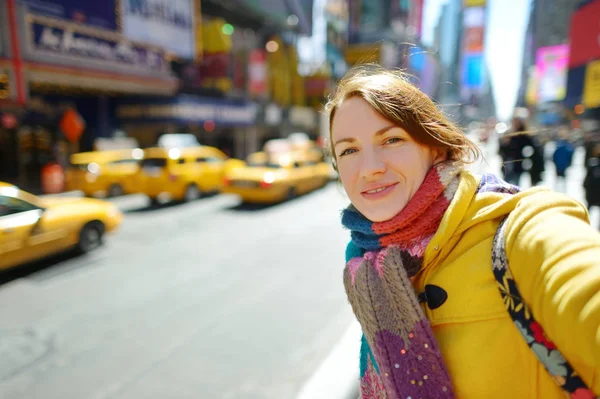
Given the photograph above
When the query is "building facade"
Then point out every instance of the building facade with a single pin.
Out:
(142, 68)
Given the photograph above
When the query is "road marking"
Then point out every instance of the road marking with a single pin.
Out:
(337, 377)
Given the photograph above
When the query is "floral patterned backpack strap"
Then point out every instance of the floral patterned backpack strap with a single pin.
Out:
(545, 350)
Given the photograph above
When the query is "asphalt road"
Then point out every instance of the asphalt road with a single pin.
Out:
(203, 300)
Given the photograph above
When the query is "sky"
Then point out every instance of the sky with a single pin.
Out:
(505, 34)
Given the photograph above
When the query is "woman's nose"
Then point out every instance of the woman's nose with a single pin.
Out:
(372, 164)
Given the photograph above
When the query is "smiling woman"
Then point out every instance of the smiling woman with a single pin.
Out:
(419, 272)
(378, 119)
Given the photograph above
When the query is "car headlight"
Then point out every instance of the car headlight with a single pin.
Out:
(113, 212)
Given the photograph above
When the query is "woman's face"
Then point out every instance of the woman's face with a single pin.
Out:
(380, 164)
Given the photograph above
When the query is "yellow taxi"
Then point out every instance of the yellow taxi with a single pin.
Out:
(104, 173)
(32, 227)
(270, 178)
(183, 174)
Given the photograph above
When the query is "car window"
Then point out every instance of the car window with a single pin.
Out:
(12, 205)
(208, 160)
(124, 161)
(154, 162)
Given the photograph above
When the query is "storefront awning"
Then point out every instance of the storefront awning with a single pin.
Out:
(40, 75)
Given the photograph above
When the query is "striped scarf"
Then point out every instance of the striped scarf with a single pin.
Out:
(401, 358)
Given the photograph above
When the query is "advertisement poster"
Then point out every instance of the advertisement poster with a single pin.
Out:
(100, 14)
(551, 70)
(165, 23)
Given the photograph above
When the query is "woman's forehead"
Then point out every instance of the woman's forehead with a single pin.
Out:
(356, 113)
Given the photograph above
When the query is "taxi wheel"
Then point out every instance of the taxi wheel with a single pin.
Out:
(90, 237)
(191, 193)
(115, 190)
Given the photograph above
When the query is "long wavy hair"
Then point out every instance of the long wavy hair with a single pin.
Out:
(392, 95)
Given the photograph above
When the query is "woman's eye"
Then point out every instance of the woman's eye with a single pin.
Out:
(348, 152)
(392, 140)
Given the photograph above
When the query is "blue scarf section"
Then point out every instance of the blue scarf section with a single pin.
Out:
(361, 230)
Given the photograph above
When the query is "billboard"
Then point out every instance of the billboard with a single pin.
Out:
(165, 23)
(585, 34)
(100, 14)
(551, 72)
(472, 62)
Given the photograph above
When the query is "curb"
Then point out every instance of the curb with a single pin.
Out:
(337, 377)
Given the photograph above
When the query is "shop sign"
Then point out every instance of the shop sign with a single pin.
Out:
(67, 41)
(188, 110)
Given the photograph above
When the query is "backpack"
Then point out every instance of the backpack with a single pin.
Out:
(545, 350)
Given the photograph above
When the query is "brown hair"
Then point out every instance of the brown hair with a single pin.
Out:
(392, 95)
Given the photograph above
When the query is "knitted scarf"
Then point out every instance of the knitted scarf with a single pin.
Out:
(400, 357)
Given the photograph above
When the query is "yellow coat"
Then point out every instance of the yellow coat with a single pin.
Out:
(554, 256)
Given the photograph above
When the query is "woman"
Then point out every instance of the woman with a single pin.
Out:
(419, 272)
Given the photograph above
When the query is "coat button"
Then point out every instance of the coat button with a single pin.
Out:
(434, 296)
(436, 248)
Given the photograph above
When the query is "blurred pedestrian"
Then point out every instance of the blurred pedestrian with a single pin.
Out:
(432, 246)
(515, 147)
(590, 139)
(562, 158)
(591, 183)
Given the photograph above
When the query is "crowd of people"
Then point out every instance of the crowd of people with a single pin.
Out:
(522, 151)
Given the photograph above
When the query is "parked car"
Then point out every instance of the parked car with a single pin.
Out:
(32, 227)
(104, 173)
(269, 178)
(183, 174)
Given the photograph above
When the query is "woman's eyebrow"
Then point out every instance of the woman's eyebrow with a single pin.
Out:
(377, 133)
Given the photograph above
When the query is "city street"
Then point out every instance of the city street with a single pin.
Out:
(200, 300)
(209, 299)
